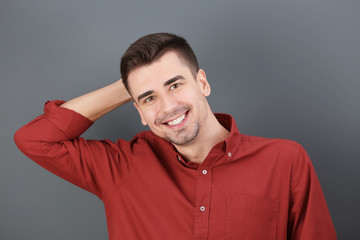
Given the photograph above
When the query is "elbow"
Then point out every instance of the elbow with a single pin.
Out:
(21, 139)
(25, 137)
(26, 141)
(28, 144)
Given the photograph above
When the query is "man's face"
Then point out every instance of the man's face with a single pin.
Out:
(169, 99)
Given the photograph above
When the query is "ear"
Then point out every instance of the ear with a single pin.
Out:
(203, 83)
(143, 121)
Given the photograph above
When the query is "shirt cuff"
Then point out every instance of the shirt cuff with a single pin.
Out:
(68, 121)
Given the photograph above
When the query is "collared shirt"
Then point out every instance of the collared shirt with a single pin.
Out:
(246, 188)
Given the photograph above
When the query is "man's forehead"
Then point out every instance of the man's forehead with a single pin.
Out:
(156, 73)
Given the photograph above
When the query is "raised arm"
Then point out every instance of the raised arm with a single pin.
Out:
(52, 140)
(95, 104)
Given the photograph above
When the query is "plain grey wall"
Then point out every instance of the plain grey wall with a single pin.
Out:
(283, 69)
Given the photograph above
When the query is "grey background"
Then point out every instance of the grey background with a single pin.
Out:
(283, 69)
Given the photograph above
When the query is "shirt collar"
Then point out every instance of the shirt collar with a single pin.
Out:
(232, 142)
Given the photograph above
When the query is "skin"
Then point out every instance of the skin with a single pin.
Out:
(166, 90)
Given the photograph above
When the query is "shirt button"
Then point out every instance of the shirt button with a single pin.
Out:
(229, 154)
(204, 172)
(202, 208)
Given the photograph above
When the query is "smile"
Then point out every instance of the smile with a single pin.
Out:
(177, 121)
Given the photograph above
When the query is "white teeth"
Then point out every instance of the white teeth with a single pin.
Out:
(177, 121)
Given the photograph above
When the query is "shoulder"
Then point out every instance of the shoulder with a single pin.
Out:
(143, 139)
(275, 142)
(277, 146)
(147, 137)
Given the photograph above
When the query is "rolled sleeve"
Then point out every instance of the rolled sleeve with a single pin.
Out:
(71, 123)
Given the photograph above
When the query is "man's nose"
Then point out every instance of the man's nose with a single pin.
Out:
(168, 103)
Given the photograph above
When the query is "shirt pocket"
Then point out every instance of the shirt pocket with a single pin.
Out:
(251, 217)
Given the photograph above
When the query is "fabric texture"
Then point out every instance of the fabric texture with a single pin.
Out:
(247, 187)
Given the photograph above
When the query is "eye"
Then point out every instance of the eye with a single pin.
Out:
(149, 99)
(176, 85)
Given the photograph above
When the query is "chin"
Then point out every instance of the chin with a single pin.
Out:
(185, 138)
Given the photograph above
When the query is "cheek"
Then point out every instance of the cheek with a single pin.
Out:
(149, 116)
(193, 97)
(188, 95)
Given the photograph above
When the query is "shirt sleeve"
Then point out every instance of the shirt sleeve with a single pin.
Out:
(52, 140)
(309, 217)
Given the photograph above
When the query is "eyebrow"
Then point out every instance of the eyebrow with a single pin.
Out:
(167, 83)
(174, 79)
(145, 94)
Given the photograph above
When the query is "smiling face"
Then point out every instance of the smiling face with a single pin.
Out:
(170, 100)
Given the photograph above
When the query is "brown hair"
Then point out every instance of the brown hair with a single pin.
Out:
(151, 47)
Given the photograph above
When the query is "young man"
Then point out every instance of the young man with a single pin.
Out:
(193, 176)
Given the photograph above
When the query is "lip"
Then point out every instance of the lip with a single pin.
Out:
(179, 125)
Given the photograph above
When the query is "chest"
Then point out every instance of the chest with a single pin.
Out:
(167, 200)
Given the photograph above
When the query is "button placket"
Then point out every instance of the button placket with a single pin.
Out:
(203, 194)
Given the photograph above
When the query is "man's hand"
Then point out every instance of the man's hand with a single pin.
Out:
(96, 104)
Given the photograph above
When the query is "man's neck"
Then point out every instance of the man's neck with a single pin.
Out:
(198, 150)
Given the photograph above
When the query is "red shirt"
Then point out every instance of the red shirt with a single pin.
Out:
(246, 188)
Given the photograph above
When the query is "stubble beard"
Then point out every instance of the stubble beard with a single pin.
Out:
(184, 136)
